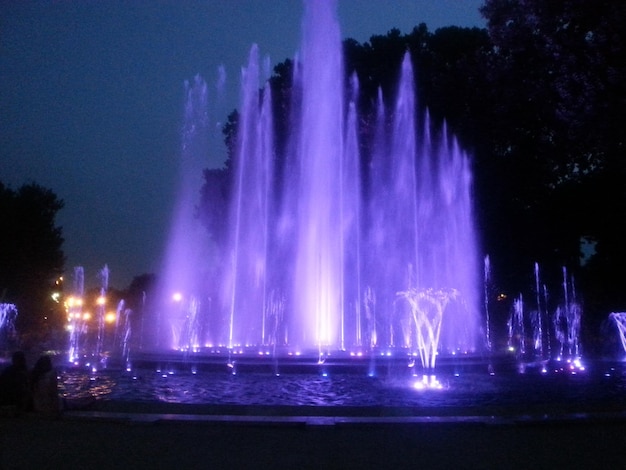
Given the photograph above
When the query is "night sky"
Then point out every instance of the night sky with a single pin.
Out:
(92, 95)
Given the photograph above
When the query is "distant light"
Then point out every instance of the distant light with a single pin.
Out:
(177, 297)
(101, 300)
(110, 317)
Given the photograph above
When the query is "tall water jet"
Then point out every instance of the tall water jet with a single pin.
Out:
(620, 322)
(567, 320)
(186, 256)
(318, 285)
(101, 310)
(77, 324)
(250, 211)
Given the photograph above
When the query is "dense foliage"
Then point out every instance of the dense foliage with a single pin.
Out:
(557, 78)
(31, 259)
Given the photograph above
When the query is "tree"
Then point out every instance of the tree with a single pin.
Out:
(558, 74)
(31, 259)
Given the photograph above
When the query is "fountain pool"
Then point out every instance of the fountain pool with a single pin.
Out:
(467, 388)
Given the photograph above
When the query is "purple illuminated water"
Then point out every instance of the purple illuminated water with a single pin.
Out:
(533, 330)
(466, 390)
(619, 318)
(8, 314)
(324, 194)
(77, 321)
(325, 252)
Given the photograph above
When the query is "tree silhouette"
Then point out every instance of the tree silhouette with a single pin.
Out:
(31, 259)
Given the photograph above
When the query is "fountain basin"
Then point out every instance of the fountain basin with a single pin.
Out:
(469, 388)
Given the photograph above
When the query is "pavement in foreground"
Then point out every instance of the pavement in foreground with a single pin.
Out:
(303, 438)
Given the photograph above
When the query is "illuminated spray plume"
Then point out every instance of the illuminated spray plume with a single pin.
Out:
(76, 322)
(333, 241)
(8, 314)
(620, 322)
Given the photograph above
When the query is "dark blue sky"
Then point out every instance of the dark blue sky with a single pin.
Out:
(91, 99)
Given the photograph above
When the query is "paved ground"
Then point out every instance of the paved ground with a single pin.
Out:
(110, 440)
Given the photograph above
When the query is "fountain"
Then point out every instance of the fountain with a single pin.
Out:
(348, 258)
(77, 322)
(8, 314)
(345, 245)
(620, 322)
(90, 342)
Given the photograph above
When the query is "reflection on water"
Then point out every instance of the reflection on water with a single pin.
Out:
(602, 384)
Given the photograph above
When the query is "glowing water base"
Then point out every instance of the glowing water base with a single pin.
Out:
(345, 242)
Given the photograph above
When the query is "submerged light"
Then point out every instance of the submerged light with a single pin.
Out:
(428, 382)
